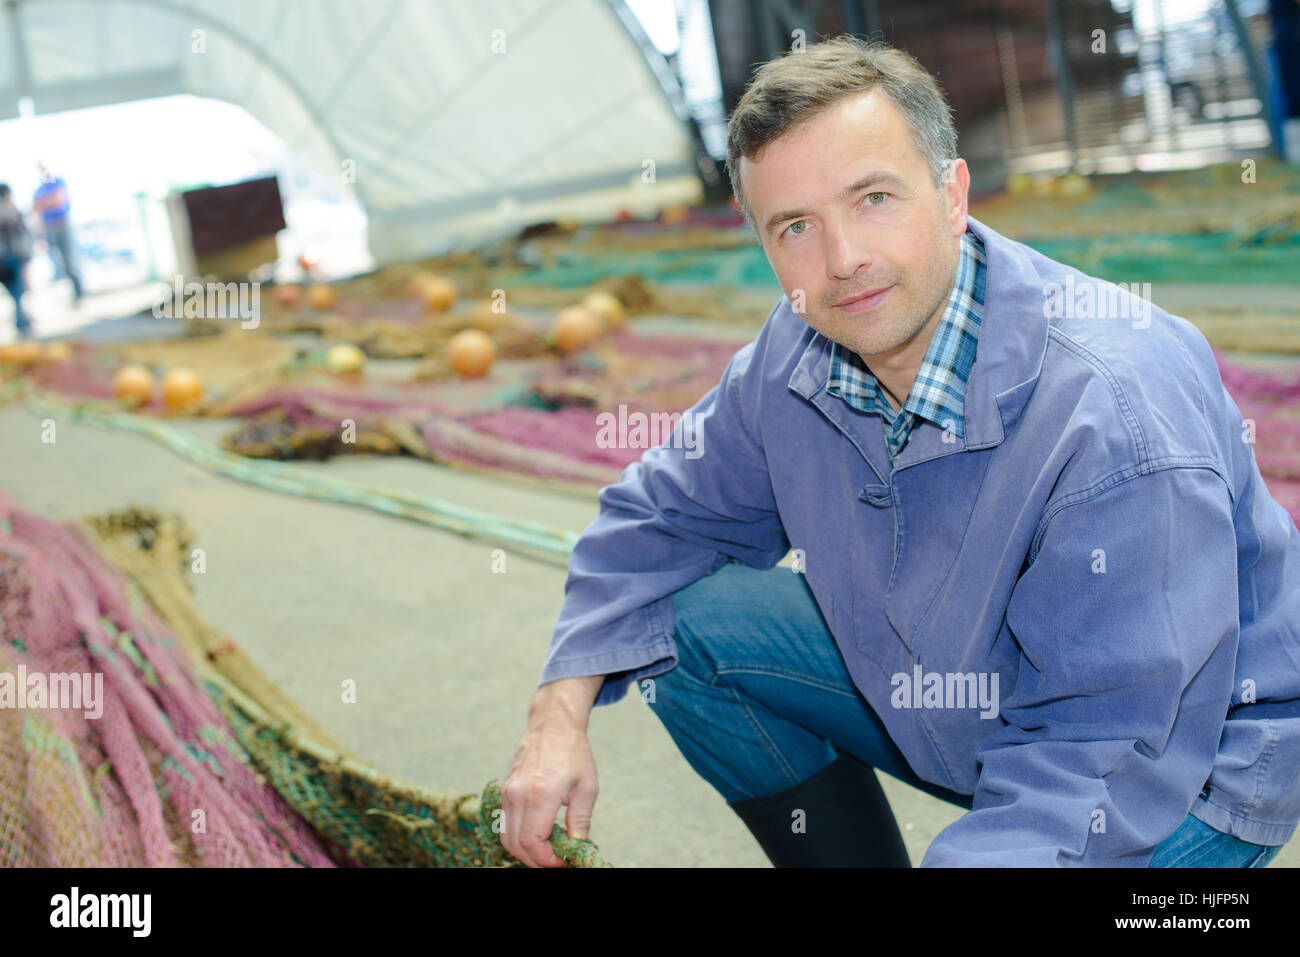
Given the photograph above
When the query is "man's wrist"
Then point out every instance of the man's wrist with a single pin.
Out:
(566, 699)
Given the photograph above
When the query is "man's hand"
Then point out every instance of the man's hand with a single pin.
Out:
(552, 765)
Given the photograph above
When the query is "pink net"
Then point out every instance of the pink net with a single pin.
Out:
(157, 779)
(1271, 399)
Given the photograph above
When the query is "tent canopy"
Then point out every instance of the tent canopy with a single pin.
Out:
(453, 122)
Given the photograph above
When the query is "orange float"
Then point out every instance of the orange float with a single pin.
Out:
(471, 353)
(322, 297)
(608, 307)
(20, 354)
(575, 328)
(438, 294)
(134, 384)
(181, 388)
(345, 358)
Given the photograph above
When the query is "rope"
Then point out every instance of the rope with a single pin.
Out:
(279, 477)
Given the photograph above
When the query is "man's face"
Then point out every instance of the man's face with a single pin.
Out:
(845, 204)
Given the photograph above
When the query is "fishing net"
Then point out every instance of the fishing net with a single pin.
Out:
(530, 419)
(194, 758)
(540, 425)
(1222, 223)
(156, 779)
(540, 421)
(1270, 403)
(1217, 224)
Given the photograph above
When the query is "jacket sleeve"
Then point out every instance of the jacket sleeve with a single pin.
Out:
(686, 508)
(1127, 623)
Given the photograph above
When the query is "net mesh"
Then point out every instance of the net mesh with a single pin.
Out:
(1269, 400)
(194, 759)
(156, 780)
(533, 419)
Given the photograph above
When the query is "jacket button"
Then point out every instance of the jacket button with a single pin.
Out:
(880, 496)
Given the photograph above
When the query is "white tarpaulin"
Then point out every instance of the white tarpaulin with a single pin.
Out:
(452, 120)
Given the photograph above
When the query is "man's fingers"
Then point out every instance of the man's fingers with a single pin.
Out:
(582, 800)
(535, 831)
(526, 826)
(512, 806)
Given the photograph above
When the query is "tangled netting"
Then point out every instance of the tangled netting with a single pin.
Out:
(1271, 401)
(186, 755)
(537, 420)
(542, 424)
(547, 426)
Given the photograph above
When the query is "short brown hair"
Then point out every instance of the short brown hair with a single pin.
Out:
(798, 86)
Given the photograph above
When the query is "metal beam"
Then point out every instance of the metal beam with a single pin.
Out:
(874, 24)
(117, 88)
(1256, 76)
(1064, 81)
(18, 50)
(852, 16)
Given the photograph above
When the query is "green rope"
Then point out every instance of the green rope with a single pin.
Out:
(575, 851)
(279, 477)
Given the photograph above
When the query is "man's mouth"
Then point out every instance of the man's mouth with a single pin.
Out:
(864, 301)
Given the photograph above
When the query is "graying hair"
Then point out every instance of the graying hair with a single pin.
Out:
(795, 88)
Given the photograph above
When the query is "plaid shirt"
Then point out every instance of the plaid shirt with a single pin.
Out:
(939, 392)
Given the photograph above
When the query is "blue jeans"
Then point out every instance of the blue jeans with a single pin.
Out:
(761, 699)
(60, 239)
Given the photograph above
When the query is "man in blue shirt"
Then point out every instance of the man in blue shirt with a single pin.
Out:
(1037, 570)
(51, 201)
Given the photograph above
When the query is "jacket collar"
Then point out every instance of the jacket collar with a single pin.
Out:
(1008, 358)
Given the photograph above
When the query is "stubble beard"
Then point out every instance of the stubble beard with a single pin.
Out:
(872, 334)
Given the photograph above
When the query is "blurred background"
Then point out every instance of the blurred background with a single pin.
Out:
(337, 291)
(396, 131)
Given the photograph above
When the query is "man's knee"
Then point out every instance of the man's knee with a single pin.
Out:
(699, 616)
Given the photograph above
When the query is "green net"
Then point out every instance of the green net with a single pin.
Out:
(186, 754)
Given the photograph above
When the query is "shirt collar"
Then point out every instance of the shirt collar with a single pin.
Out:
(938, 394)
(1013, 345)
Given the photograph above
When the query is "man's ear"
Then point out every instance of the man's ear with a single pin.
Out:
(956, 184)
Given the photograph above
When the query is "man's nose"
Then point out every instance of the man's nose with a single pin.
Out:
(845, 252)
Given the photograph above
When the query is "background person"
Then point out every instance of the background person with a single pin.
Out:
(15, 251)
(51, 201)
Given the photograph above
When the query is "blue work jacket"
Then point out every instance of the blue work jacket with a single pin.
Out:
(1100, 539)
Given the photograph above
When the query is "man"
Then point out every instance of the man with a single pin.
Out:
(51, 202)
(1038, 571)
(15, 251)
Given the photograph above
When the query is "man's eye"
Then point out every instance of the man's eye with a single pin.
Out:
(798, 232)
(881, 195)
